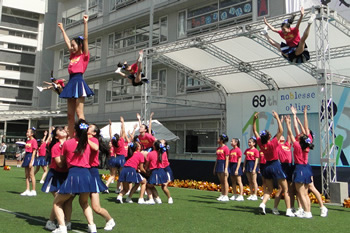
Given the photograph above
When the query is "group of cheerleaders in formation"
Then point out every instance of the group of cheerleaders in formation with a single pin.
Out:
(273, 162)
(74, 160)
(74, 150)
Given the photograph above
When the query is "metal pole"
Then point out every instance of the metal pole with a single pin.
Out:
(50, 123)
(87, 7)
(5, 130)
(29, 123)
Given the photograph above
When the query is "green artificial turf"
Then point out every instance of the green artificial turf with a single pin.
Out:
(192, 211)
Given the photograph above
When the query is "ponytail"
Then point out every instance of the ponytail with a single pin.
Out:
(160, 148)
(54, 139)
(81, 127)
(288, 22)
(305, 142)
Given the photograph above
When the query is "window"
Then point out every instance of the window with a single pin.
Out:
(22, 48)
(20, 68)
(21, 13)
(74, 16)
(137, 37)
(95, 49)
(117, 4)
(21, 34)
(207, 140)
(64, 58)
(181, 24)
(263, 8)
(158, 84)
(187, 84)
(18, 82)
(95, 88)
(109, 91)
(221, 11)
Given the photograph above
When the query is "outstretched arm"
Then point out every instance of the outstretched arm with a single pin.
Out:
(280, 127)
(306, 122)
(289, 129)
(300, 18)
(296, 128)
(110, 129)
(122, 128)
(139, 118)
(269, 25)
(256, 116)
(86, 42)
(150, 123)
(65, 37)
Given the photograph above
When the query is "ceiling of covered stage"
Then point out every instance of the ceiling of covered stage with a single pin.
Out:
(242, 60)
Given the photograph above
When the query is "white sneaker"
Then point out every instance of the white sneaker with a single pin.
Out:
(262, 197)
(299, 213)
(324, 211)
(40, 88)
(275, 211)
(69, 226)
(264, 31)
(170, 200)
(158, 200)
(250, 197)
(233, 197)
(118, 70)
(60, 229)
(262, 209)
(32, 193)
(92, 228)
(240, 198)
(117, 191)
(25, 193)
(109, 225)
(128, 200)
(50, 225)
(106, 191)
(312, 18)
(254, 198)
(141, 201)
(307, 215)
(140, 56)
(289, 213)
(41, 182)
(150, 202)
(127, 193)
(119, 199)
(225, 198)
(219, 198)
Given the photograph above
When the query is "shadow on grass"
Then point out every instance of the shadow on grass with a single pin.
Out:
(14, 192)
(210, 197)
(204, 201)
(248, 209)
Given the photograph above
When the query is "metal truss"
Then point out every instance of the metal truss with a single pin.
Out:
(339, 22)
(325, 83)
(188, 103)
(240, 65)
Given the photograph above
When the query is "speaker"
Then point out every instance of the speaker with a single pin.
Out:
(338, 191)
(191, 143)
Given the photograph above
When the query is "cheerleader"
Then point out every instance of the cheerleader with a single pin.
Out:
(146, 138)
(31, 148)
(133, 72)
(41, 160)
(56, 176)
(273, 169)
(262, 165)
(305, 129)
(76, 152)
(96, 143)
(157, 176)
(120, 152)
(301, 175)
(221, 166)
(295, 49)
(130, 173)
(235, 170)
(250, 166)
(76, 89)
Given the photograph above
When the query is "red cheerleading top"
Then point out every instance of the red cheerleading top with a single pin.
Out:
(152, 158)
(222, 152)
(56, 151)
(235, 153)
(74, 159)
(31, 145)
(94, 161)
(300, 156)
(42, 149)
(147, 140)
(251, 154)
(284, 153)
(135, 160)
(292, 38)
(269, 149)
(78, 63)
(262, 157)
(121, 149)
(134, 68)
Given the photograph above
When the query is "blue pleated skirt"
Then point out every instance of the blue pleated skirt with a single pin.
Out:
(100, 186)
(53, 181)
(310, 169)
(273, 170)
(220, 166)
(117, 161)
(302, 174)
(79, 180)
(169, 173)
(130, 175)
(76, 87)
(41, 161)
(290, 54)
(27, 159)
(158, 176)
(232, 169)
(249, 166)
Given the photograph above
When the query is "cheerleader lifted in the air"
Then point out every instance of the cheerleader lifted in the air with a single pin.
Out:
(133, 72)
(295, 49)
